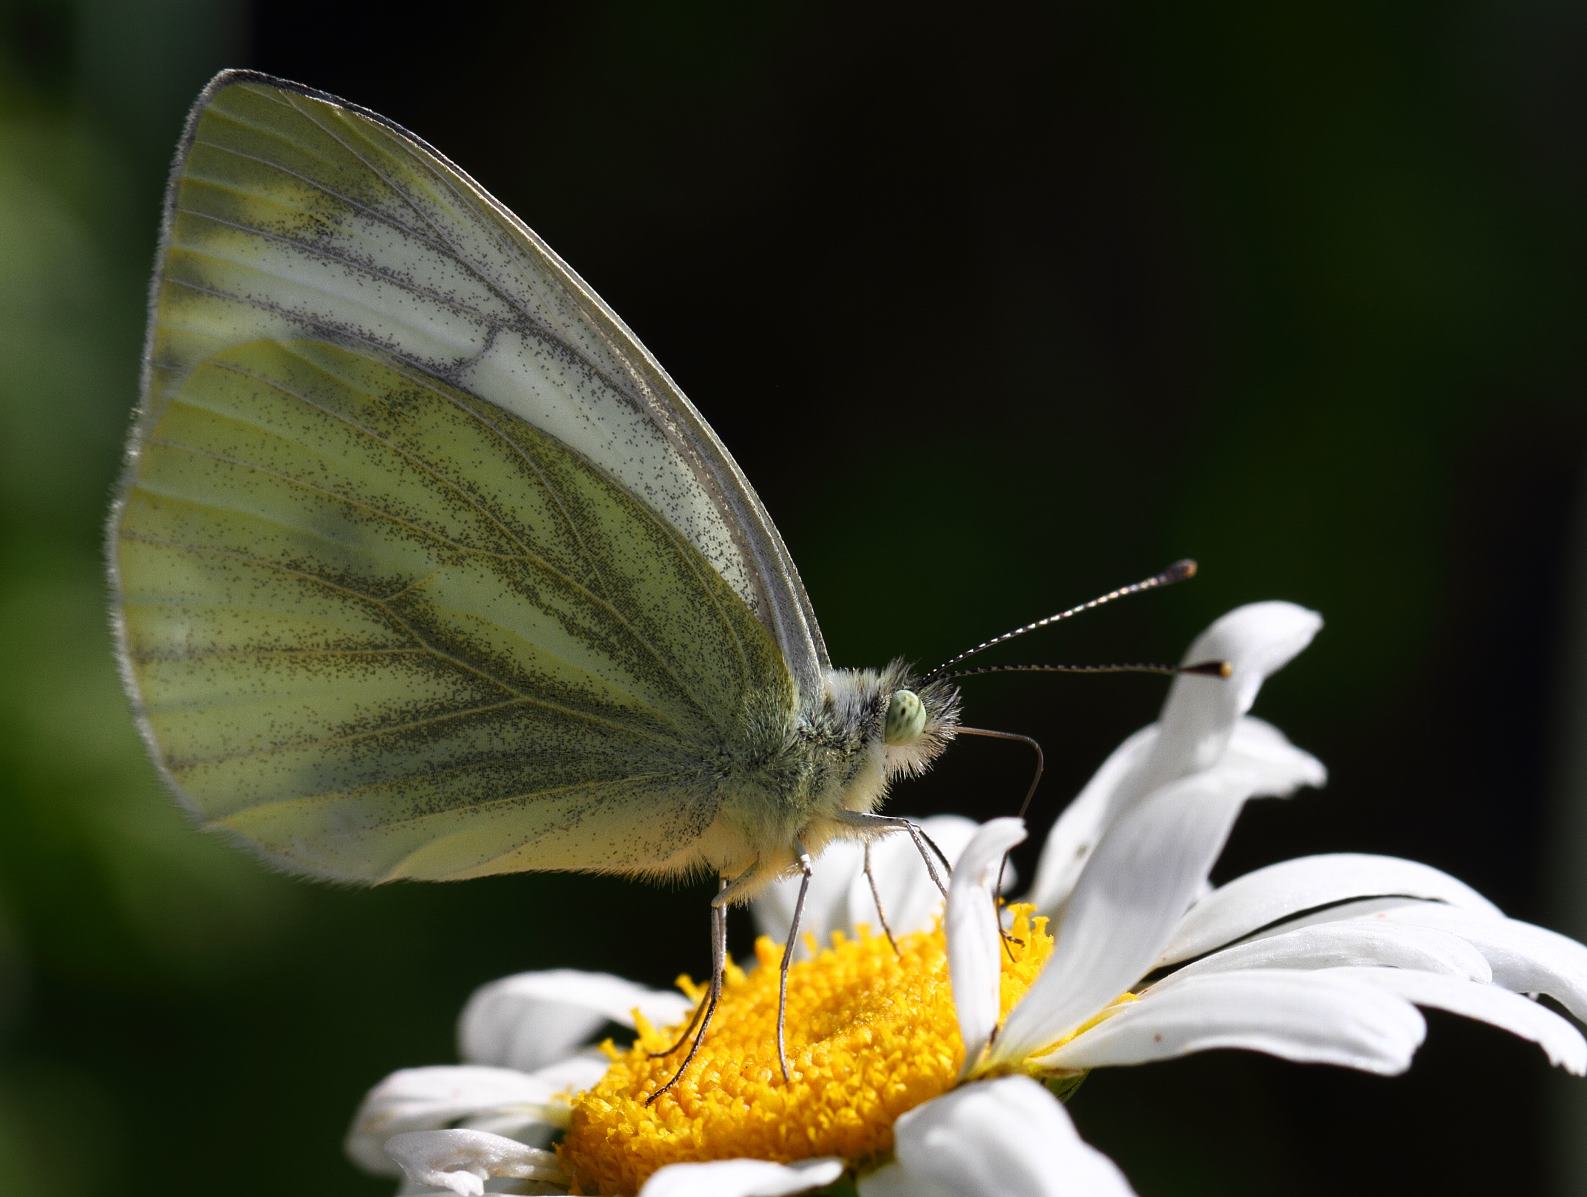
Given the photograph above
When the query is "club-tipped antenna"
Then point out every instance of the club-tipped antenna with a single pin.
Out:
(1179, 571)
(1199, 669)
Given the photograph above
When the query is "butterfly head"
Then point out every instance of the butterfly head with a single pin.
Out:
(918, 720)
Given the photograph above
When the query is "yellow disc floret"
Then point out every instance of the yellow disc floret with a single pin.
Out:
(870, 1035)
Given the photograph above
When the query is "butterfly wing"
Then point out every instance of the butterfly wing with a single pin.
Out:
(415, 572)
(380, 627)
(292, 212)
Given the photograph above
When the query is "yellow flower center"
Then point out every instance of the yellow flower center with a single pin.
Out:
(870, 1035)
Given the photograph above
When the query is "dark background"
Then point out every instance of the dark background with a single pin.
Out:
(1299, 294)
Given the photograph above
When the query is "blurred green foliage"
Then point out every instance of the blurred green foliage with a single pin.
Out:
(1298, 293)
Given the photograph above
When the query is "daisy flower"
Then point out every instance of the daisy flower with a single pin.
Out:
(938, 1068)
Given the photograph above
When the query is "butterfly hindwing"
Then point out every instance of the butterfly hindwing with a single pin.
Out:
(379, 627)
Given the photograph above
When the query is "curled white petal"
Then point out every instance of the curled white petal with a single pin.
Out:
(1201, 727)
(461, 1161)
(975, 935)
(1002, 1138)
(1561, 1042)
(1290, 887)
(1309, 1017)
(1200, 713)
(1258, 757)
(1360, 941)
(1137, 886)
(530, 1019)
(1522, 957)
(1267, 763)
(420, 1099)
(741, 1178)
(1525, 958)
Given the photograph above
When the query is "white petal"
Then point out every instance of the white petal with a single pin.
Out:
(574, 1074)
(1114, 787)
(1561, 1042)
(529, 1019)
(1200, 713)
(431, 1098)
(1309, 1017)
(536, 1126)
(975, 942)
(1364, 941)
(1002, 1138)
(1525, 958)
(1361, 908)
(741, 1178)
(892, 1180)
(1137, 886)
(461, 1161)
(1267, 895)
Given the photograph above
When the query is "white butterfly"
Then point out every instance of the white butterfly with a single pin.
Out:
(424, 568)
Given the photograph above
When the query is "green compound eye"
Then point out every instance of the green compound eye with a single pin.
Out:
(906, 717)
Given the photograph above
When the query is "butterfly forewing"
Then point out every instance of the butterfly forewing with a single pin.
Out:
(292, 214)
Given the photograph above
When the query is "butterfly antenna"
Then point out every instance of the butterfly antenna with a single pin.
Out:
(1179, 571)
(1199, 669)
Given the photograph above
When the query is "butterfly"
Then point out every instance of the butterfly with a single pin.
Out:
(423, 568)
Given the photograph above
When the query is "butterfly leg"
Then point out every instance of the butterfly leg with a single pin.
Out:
(802, 858)
(923, 842)
(706, 999)
(724, 895)
(876, 896)
(1024, 809)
